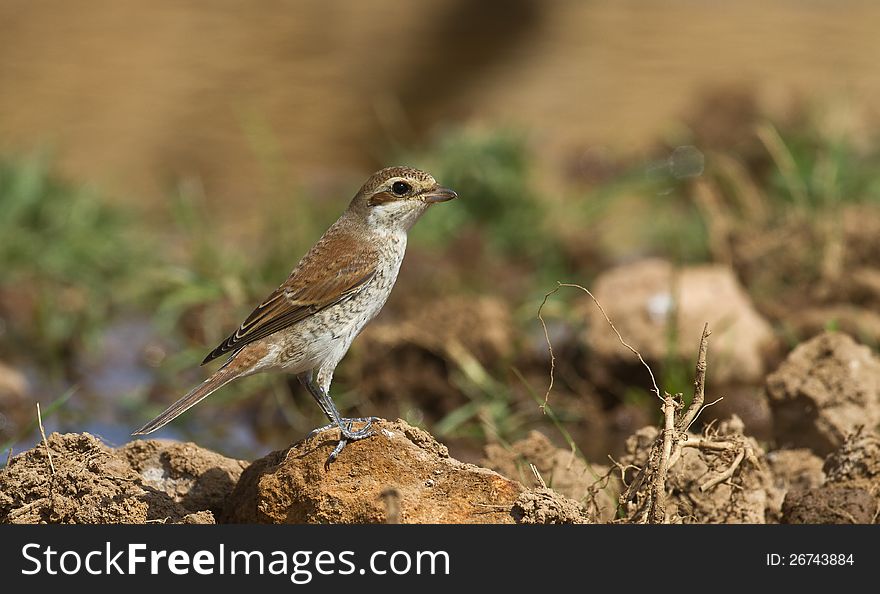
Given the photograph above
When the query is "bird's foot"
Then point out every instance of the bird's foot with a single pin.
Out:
(346, 434)
(345, 426)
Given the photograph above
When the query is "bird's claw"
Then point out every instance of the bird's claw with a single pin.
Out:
(346, 435)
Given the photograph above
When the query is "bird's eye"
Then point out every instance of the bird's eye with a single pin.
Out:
(400, 188)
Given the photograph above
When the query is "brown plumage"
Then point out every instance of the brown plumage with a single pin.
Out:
(307, 324)
(334, 269)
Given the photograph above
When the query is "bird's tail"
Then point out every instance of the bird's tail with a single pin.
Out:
(220, 378)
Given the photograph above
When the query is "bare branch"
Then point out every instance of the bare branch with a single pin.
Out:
(549, 344)
(658, 484)
(699, 383)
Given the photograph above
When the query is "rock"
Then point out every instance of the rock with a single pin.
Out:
(640, 298)
(562, 470)
(197, 478)
(150, 481)
(400, 473)
(826, 388)
(546, 506)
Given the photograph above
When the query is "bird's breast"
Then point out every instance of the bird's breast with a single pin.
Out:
(329, 333)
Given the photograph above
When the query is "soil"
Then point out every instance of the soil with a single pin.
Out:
(744, 498)
(825, 389)
(87, 482)
(797, 286)
(410, 358)
(851, 491)
(857, 461)
(561, 469)
(830, 505)
(403, 475)
(821, 464)
(546, 506)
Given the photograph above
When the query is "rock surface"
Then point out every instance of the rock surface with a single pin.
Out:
(400, 474)
(824, 390)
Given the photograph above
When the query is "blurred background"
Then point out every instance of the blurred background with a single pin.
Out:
(164, 164)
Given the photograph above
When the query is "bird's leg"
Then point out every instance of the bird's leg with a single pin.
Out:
(337, 421)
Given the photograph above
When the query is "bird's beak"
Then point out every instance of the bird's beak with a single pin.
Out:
(439, 195)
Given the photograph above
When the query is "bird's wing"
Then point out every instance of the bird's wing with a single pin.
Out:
(335, 269)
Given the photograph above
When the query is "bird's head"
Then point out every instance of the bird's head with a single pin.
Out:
(395, 197)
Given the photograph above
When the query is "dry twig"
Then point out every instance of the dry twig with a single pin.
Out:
(559, 285)
(538, 476)
(648, 490)
(45, 441)
(699, 383)
(658, 483)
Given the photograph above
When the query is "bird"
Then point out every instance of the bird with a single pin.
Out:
(306, 326)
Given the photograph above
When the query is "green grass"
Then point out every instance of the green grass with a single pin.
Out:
(66, 256)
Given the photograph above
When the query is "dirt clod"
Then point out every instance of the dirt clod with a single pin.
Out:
(641, 299)
(197, 478)
(562, 470)
(292, 487)
(851, 491)
(829, 505)
(826, 388)
(857, 461)
(796, 469)
(90, 486)
(95, 484)
(546, 506)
